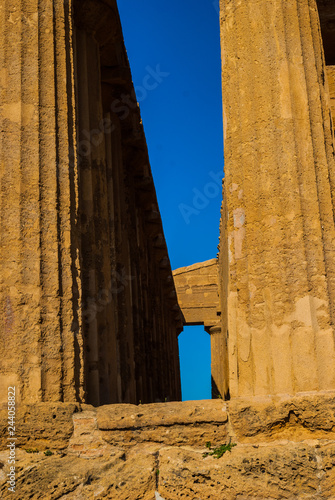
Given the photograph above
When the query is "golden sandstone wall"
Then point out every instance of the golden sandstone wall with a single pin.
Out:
(88, 309)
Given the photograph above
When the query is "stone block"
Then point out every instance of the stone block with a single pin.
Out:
(189, 422)
(309, 416)
(40, 426)
(290, 471)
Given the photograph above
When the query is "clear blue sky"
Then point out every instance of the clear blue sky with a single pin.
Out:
(174, 52)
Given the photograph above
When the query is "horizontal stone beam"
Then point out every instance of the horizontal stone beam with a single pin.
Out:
(197, 292)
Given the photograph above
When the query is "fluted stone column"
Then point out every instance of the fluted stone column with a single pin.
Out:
(218, 362)
(279, 184)
(40, 283)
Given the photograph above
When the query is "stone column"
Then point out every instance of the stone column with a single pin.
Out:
(40, 283)
(218, 359)
(279, 185)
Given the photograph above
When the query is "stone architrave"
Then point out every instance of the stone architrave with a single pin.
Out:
(279, 183)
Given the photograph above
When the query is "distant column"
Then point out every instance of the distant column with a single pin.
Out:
(279, 165)
(218, 352)
(40, 280)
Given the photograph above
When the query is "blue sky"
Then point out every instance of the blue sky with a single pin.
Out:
(174, 53)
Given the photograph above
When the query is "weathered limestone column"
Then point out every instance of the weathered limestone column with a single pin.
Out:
(279, 185)
(77, 255)
(39, 291)
(223, 274)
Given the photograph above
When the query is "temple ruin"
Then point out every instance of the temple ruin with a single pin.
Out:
(274, 330)
(90, 309)
(88, 304)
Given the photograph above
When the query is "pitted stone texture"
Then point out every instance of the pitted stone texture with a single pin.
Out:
(41, 425)
(279, 185)
(197, 292)
(190, 423)
(281, 471)
(272, 458)
(309, 416)
(276, 471)
(86, 441)
(331, 84)
(161, 414)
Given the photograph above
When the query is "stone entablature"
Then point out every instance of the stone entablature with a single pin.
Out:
(198, 294)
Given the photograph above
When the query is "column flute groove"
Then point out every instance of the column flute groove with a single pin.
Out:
(276, 144)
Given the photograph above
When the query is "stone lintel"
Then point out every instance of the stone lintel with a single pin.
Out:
(197, 292)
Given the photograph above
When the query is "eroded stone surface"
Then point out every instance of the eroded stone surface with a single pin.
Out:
(309, 416)
(282, 470)
(83, 258)
(40, 425)
(114, 417)
(279, 247)
(197, 292)
(275, 457)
